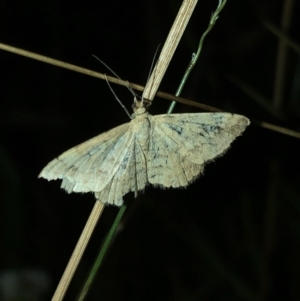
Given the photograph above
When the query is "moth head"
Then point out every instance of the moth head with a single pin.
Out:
(140, 106)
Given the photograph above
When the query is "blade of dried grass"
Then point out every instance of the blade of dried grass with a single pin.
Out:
(149, 93)
(78, 251)
(137, 87)
(102, 76)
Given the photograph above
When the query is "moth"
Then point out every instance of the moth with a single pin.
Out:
(168, 150)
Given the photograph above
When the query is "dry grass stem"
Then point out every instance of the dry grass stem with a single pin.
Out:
(102, 76)
(276, 128)
(78, 251)
(168, 96)
(153, 83)
(62, 64)
(169, 48)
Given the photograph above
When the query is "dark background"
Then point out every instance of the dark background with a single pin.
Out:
(234, 234)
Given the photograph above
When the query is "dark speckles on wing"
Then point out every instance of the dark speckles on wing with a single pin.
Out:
(176, 128)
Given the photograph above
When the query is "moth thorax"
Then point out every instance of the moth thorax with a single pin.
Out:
(138, 107)
(139, 111)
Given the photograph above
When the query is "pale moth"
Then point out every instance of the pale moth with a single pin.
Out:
(168, 150)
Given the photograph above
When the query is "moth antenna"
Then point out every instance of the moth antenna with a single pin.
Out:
(115, 74)
(151, 67)
(117, 98)
(131, 90)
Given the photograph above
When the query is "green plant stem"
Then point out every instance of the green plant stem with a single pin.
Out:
(196, 55)
(101, 254)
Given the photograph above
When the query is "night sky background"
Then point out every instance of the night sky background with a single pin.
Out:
(234, 234)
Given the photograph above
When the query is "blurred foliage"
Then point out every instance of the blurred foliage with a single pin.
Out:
(234, 234)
